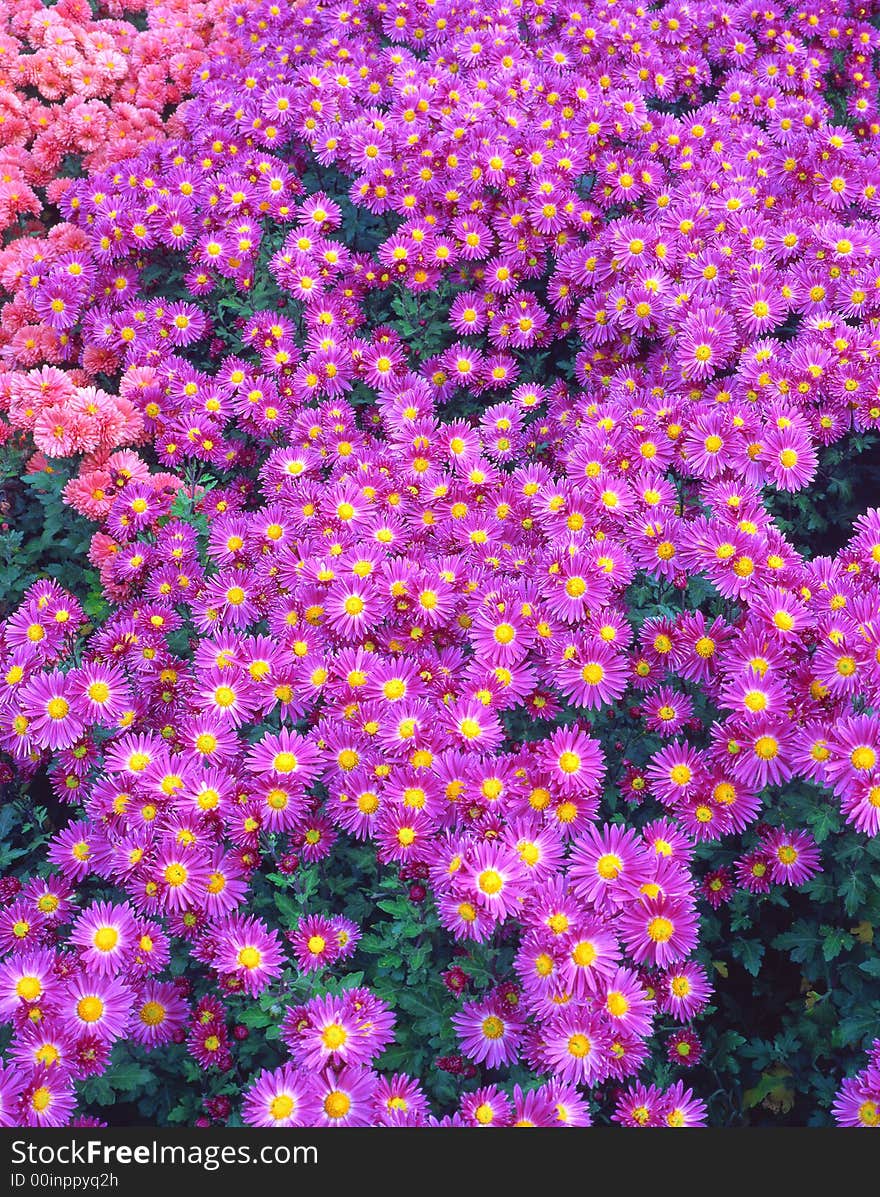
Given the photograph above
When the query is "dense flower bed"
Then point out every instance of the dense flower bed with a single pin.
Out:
(428, 378)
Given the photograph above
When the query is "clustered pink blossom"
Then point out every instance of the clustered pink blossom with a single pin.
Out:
(332, 596)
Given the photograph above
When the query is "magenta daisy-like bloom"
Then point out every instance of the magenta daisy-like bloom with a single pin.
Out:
(602, 859)
(282, 1096)
(464, 918)
(100, 691)
(11, 1083)
(496, 878)
(590, 955)
(570, 1104)
(857, 1103)
(752, 872)
(49, 1043)
(627, 1007)
(248, 951)
(789, 458)
(330, 1035)
(573, 760)
(854, 751)
(684, 1048)
(314, 943)
(596, 675)
(640, 1105)
(683, 991)
(705, 343)
(403, 834)
(679, 1107)
(347, 935)
(21, 927)
(540, 849)
(474, 725)
(47, 701)
(106, 935)
(48, 1099)
(793, 856)
(487, 1106)
(345, 1098)
(27, 978)
(96, 1005)
(576, 1046)
(675, 772)
(717, 887)
(182, 875)
(488, 1033)
(659, 930)
(399, 1094)
(159, 1013)
(285, 756)
(535, 1108)
(861, 806)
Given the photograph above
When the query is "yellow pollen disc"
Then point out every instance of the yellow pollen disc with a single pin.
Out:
(660, 929)
(569, 762)
(90, 1008)
(105, 939)
(490, 881)
(609, 866)
(337, 1104)
(579, 1046)
(281, 1107)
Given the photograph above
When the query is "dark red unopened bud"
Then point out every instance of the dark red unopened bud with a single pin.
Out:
(417, 893)
(455, 979)
(240, 1032)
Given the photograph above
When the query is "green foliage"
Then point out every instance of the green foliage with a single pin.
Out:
(40, 536)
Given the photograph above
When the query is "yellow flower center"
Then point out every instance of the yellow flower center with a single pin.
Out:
(337, 1104)
(90, 1008)
(105, 939)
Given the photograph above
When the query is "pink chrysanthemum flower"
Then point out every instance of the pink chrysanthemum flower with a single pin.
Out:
(659, 930)
(159, 1013)
(683, 991)
(496, 878)
(47, 701)
(248, 951)
(488, 1033)
(314, 943)
(576, 1046)
(793, 856)
(681, 1108)
(48, 1099)
(345, 1098)
(106, 935)
(97, 1005)
(602, 859)
(27, 978)
(487, 1106)
(684, 1048)
(282, 1096)
(574, 761)
(857, 1103)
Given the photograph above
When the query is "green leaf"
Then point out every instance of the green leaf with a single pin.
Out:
(750, 953)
